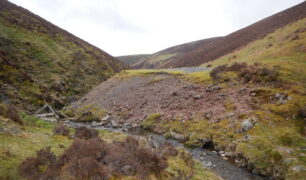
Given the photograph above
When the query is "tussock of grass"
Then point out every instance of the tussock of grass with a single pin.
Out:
(182, 166)
(143, 72)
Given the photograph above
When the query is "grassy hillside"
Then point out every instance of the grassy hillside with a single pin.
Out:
(286, 48)
(240, 38)
(162, 57)
(43, 63)
(132, 59)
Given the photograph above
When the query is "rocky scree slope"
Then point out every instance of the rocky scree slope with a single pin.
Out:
(41, 62)
(238, 39)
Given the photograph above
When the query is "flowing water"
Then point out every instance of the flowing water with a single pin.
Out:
(209, 159)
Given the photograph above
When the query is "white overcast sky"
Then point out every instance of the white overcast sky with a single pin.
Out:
(122, 27)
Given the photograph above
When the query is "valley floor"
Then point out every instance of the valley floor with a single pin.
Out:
(254, 125)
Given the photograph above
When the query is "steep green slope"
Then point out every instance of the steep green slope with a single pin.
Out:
(286, 48)
(41, 62)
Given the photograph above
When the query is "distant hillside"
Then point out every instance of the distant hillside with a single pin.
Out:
(165, 56)
(41, 62)
(132, 59)
(238, 39)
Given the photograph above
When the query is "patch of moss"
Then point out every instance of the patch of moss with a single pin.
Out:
(150, 121)
(182, 166)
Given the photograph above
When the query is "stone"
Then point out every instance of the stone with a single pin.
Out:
(127, 169)
(105, 118)
(208, 115)
(197, 96)
(212, 88)
(173, 93)
(299, 168)
(177, 136)
(280, 98)
(247, 124)
(97, 124)
(229, 115)
(255, 171)
(114, 124)
(208, 164)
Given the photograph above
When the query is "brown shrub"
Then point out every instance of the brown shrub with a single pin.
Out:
(11, 113)
(88, 168)
(128, 158)
(2, 110)
(215, 72)
(302, 112)
(253, 73)
(61, 129)
(265, 75)
(237, 67)
(95, 159)
(94, 147)
(31, 167)
(85, 133)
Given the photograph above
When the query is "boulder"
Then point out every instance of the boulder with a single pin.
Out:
(212, 88)
(280, 98)
(105, 118)
(177, 136)
(198, 96)
(208, 115)
(248, 124)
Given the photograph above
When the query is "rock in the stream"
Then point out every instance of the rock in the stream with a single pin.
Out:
(208, 164)
(114, 124)
(97, 124)
(299, 168)
(177, 136)
(106, 118)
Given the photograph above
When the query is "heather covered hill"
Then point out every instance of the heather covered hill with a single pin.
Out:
(165, 56)
(239, 39)
(41, 62)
